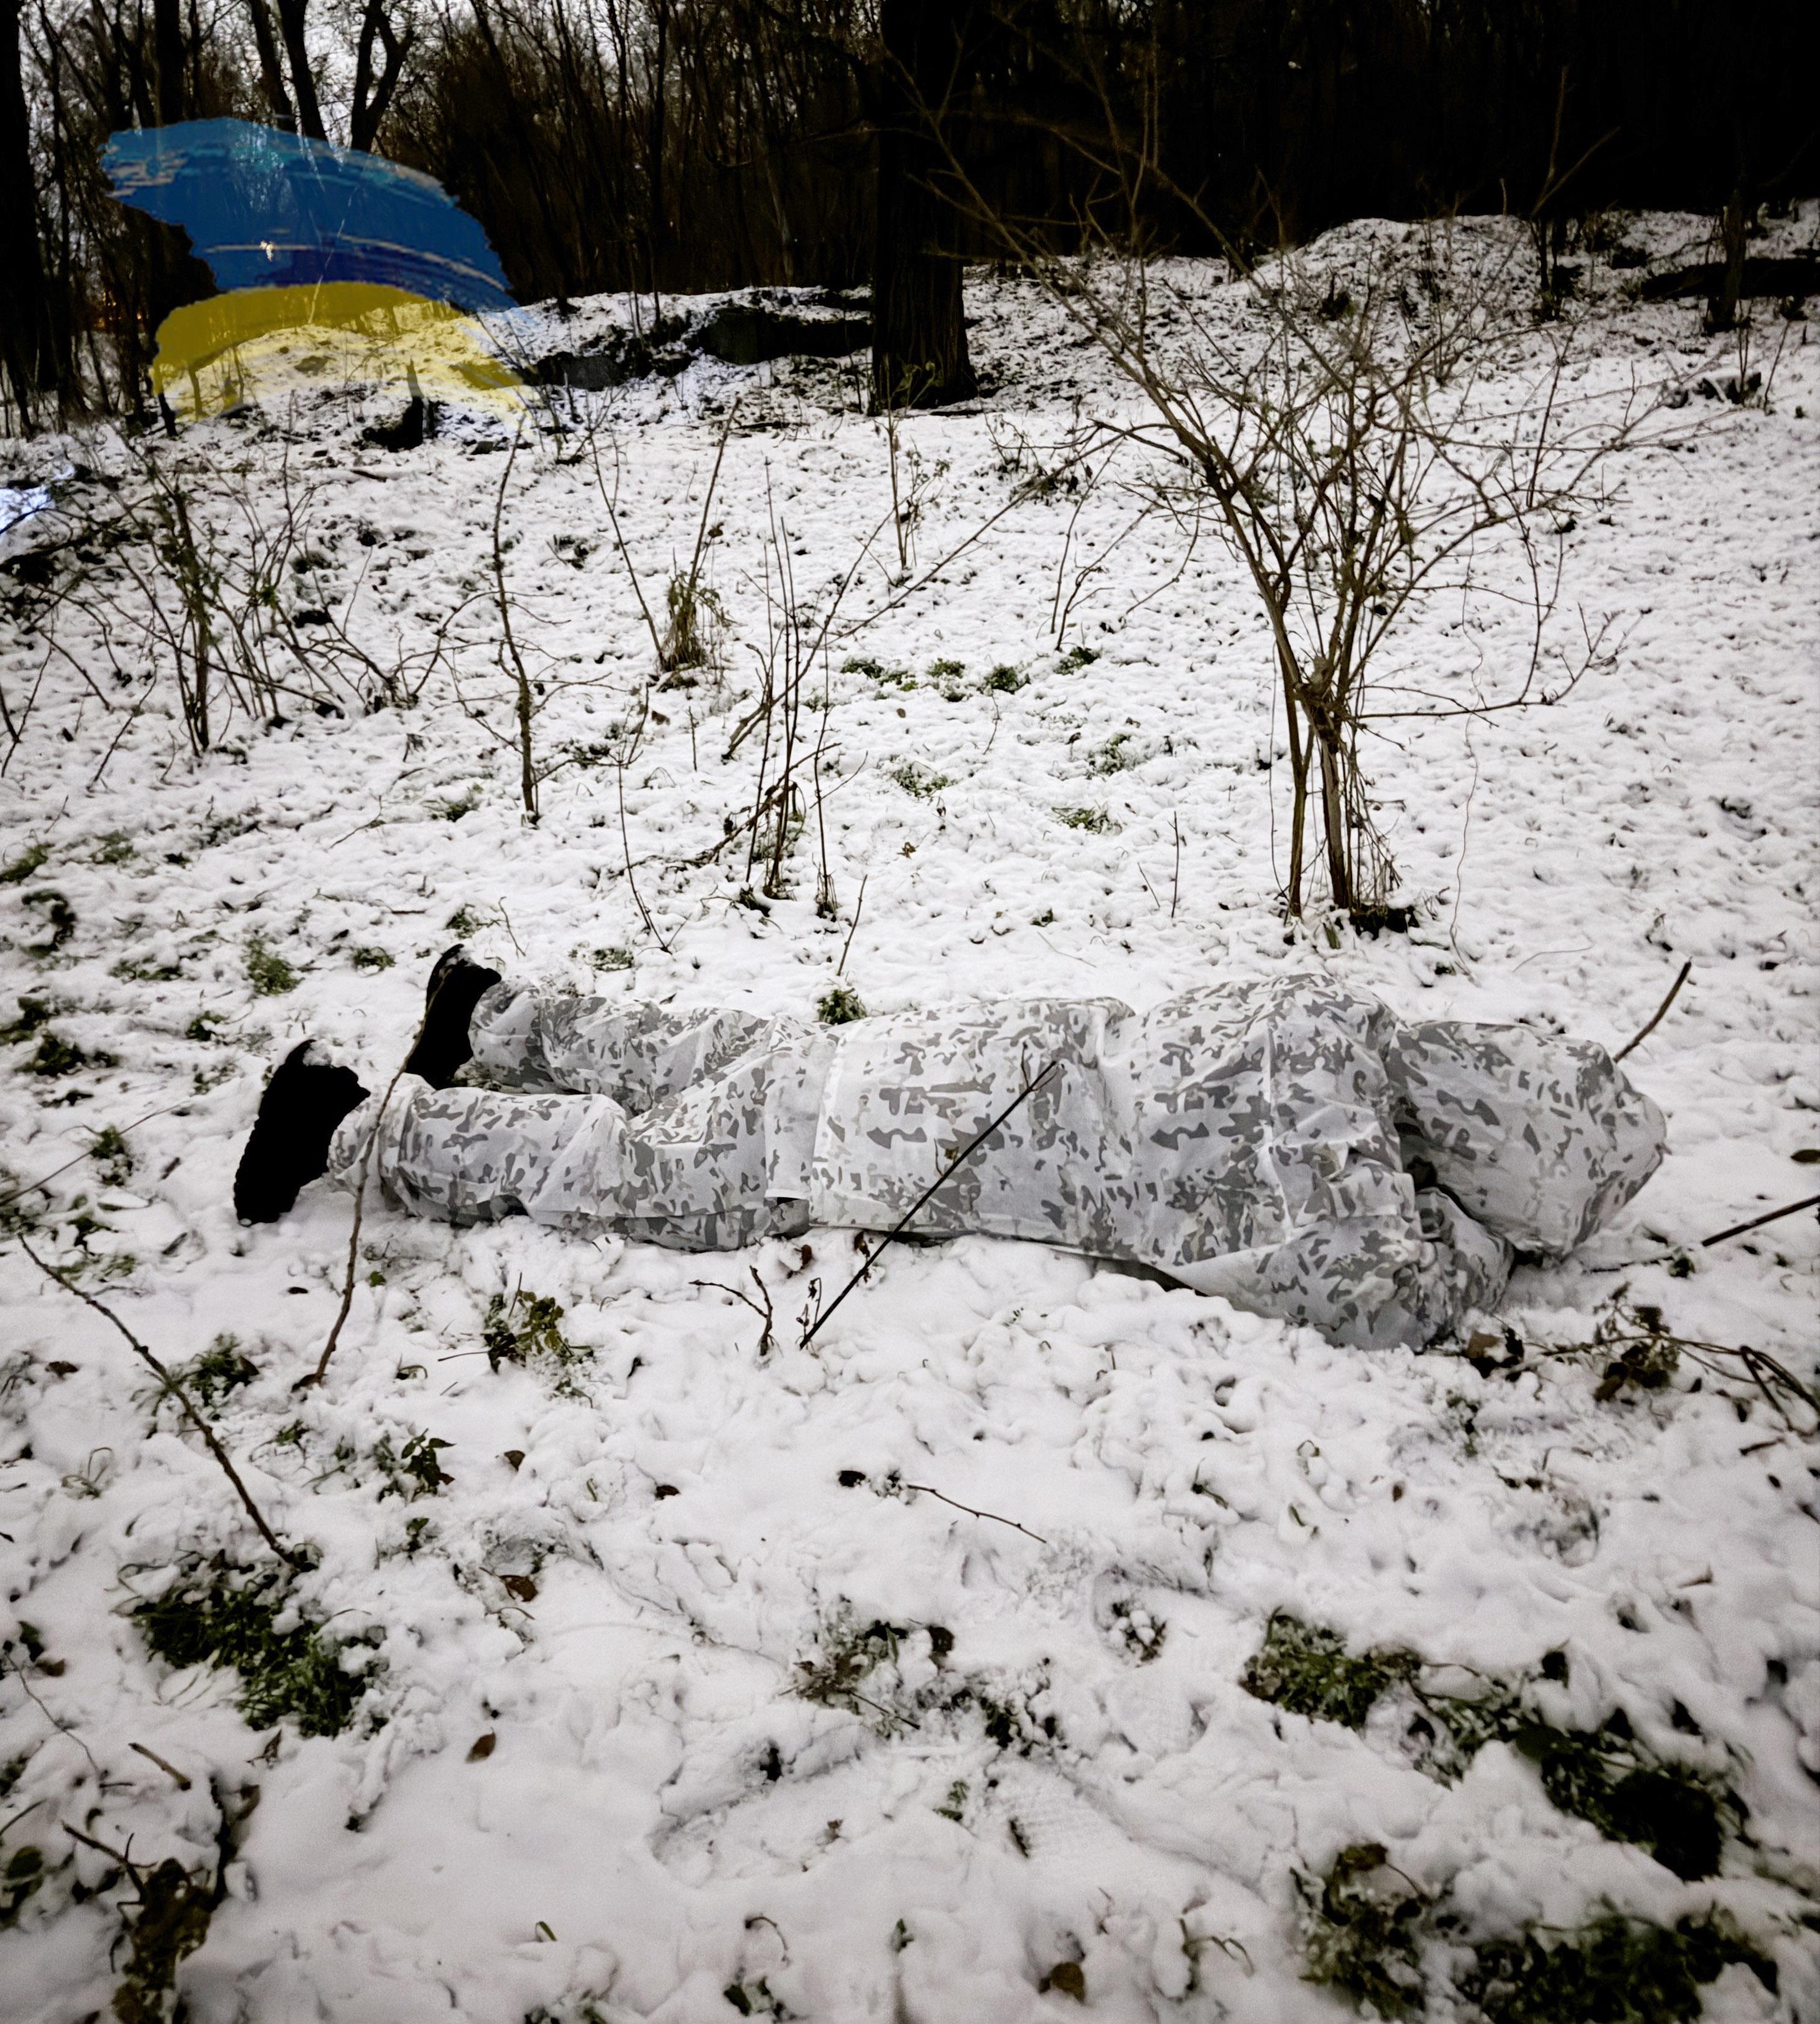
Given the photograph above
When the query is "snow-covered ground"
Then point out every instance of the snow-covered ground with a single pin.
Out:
(884, 1678)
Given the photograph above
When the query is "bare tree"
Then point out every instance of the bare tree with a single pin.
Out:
(26, 356)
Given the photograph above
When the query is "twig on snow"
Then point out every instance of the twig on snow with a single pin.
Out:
(184, 1782)
(30, 1187)
(315, 1376)
(122, 1856)
(7, 1826)
(1661, 1012)
(972, 1513)
(1757, 1222)
(767, 1341)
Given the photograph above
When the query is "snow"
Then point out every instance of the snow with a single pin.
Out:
(665, 1812)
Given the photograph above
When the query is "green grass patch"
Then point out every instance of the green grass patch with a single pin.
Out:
(1096, 822)
(223, 1616)
(1363, 1928)
(56, 1056)
(19, 1881)
(221, 1368)
(917, 781)
(1617, 1971)
(839, 1006)
(1365, 1925)
(1005, 680)
(527, 1330)
(33, 1013)
(370, 959)
(412, 1471)
(268, 973)
(1112, 757)
(1605, 1777)
(112, 1156)
(1306, 1669)
(24, 864)
(59, 919)
(877, 671)
(850, 1653)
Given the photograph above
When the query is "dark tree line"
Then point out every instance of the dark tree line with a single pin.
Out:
(663, 146)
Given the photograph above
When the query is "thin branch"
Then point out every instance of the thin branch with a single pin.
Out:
(896, 1229)
(29, 1187)
(619, 543)
(854, 928)
(315, 1376)
(123, 1856)
(182, 1780)
(1662, 1014)
(173, 1386)
(968, 1509)
(1757, 1222)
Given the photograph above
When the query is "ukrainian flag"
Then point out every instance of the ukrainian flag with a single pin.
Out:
(335, 268)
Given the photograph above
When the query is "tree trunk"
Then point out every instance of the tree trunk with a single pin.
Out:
(175, 276)
(1735, 233)
(168, 53)
(291, 22)
(25, 347)
(918, 331)
(372, 96)
(271, 70)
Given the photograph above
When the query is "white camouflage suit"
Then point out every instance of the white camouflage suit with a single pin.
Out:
(1289, 1146)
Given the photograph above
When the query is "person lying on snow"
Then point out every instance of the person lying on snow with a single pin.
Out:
(1290, 1146)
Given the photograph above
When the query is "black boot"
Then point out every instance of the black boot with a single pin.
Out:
(303, 1102)
(449, 998)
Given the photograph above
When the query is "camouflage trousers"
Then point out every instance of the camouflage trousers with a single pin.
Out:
(1289, 1146)
(678, 1130)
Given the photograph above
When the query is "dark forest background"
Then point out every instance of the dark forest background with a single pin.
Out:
(675, 145)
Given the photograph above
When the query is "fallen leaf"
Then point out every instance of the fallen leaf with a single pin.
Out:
(1066, 1976)
(515, 1455)
(483, 1747)
(522, 1586)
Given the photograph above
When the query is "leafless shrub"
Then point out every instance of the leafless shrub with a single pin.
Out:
(795, 646)
(1366, 440)
(202, 584)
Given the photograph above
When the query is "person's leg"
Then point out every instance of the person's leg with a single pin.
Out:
(526, 1037)
(718, 1165)
(693, 1130)
(476, 1156)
